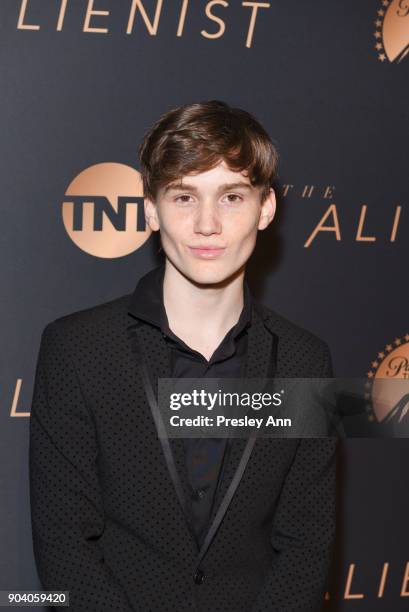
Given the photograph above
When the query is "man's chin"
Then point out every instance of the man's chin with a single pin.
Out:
(209, 273)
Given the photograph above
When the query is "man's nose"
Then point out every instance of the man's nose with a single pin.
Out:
(207, 219)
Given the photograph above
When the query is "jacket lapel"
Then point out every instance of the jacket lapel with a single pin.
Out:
(149, 346)
(147, 341)
(261, 363)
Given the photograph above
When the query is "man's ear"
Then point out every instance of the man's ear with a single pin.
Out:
(268, 210)
(151, 214)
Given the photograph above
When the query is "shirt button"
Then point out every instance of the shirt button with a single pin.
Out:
(200, 493)
(199, 577)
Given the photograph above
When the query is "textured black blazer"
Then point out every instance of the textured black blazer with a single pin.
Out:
(106, 493)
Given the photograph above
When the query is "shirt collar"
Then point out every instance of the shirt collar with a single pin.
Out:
(147, 302)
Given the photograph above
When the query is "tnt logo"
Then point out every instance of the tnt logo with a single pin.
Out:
(103, 210)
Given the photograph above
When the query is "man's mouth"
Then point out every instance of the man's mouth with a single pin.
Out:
(207, 252)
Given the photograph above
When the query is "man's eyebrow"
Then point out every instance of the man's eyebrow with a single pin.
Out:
(193, 188)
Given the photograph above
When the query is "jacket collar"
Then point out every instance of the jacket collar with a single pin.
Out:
(147, 299)
(147, 304)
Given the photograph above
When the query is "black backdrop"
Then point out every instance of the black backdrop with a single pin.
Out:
(329, 81)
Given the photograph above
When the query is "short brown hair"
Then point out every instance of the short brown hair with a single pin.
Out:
(195, 137)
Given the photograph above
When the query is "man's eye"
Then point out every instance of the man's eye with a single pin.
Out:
(235, 196)
(179, 198)
(231, 198)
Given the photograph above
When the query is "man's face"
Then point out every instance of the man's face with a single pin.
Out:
(218, 208)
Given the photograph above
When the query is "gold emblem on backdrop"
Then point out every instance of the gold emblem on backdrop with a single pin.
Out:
(103, 210)
(392, 30)
(387, 387)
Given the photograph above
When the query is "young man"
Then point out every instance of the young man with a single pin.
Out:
(126, 520)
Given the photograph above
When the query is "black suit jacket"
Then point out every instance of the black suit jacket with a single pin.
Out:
(107, 494)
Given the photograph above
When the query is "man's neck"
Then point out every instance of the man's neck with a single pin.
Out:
(201, 315)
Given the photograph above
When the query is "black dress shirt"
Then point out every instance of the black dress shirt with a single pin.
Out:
(204, 456)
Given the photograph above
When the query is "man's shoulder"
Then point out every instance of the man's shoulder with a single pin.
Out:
(283, 326)
(112, 313)
(297, 343)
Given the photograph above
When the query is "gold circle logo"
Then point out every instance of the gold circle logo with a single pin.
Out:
(103, 211)
(392, 30)
(387, 386)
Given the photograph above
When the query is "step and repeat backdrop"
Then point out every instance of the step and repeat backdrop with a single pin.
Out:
(82, 80)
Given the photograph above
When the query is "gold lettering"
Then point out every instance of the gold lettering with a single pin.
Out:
(385, 570)
(13, 411)
(286, 189)
(152, 28)
(254, 6)
(90, 12)
(348, 594)
(403, 4)
(61, 15)
(307, 191)
(332, 209)
(210, 15)
(182, 18)
(20, 24)
(359, 237)
(328, 193)
(395, 223)
(405, 584)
